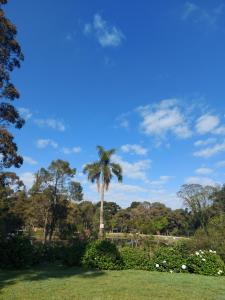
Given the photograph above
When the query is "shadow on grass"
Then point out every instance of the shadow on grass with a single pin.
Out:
(8, 278)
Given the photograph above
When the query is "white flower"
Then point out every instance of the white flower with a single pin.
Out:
(203, 259)
(183, 267)
(171, 271)
(197, 253)
(157, 265)
(164, 262)
(210, 251)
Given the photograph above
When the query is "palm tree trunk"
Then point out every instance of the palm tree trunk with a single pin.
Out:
(101, 225)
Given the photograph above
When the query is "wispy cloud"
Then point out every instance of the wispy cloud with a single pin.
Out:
(73, 150)
(163, 118)
(134, 170)
(25, 113)
(204, 171)
(207, 123)
(211, 151)
(206, 142)
(30, 161)
(106, 34)
(201, 180)
(27, 178)
(51, 123)
(220, 164)
(198, 14)
(43, 143)
(134, 149)
(161, 181)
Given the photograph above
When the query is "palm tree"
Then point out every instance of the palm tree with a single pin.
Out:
(102, 172)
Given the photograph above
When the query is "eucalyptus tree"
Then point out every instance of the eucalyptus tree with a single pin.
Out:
(10, 58)
(101, 172)
(198, 199)
(54, 187)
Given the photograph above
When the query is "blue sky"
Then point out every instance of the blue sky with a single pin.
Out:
(145, 77)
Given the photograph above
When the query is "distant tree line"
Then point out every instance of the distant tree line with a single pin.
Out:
(54, 208)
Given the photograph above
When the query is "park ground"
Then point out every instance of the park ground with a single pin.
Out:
(73, 283)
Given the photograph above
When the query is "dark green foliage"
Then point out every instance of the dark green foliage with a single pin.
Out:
(205, 263)
(169, 259)
(103, 255)
(16, 251)
(135, 258)
(73, 254)
(44, 253)
(10, 58)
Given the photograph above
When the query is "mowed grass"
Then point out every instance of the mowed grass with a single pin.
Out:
(73, 283)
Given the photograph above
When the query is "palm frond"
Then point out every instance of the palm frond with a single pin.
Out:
(117, 171)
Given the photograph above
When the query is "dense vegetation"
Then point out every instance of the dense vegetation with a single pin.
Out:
(51, 223)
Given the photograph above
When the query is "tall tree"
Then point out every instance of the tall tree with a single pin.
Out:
(10, 58)
(198, 199)
(101, 172)
(54, 186)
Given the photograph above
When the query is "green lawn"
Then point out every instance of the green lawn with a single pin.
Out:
(72, 283)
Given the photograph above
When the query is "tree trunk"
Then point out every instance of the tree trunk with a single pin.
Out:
(101, 225)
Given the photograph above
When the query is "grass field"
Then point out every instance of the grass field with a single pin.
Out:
(73, 283)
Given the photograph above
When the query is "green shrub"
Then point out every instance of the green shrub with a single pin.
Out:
(206, 263)
(168, 259)
(102, 255)
(16, 252)
(135, 258)
(73, 254)
(47, 253)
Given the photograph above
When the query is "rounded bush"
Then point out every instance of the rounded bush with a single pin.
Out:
(16, 251)
(73, 254)
(169, 260)
(135, 258)
(206, 263)
(102, 255)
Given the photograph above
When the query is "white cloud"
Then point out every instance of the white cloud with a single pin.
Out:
(207, 123)
(137, 149)
(206, 142)
(163, 118)
(198, 14)
(220, 164)
(124, 194)
(43, 143)
(220, 130)
(204, 171)
(124, 188)
(28, 179)
(210, 151)
(201, 180)
(107, 35)
(189, 9)
(51, 123)
(25, 113)
(29, 160)
(71, 150)
(161, 181)
(135, 170)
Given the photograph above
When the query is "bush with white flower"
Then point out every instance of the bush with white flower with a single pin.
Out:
(169, 260)
(205, 262)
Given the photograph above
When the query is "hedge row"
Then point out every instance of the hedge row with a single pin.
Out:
(18, 252)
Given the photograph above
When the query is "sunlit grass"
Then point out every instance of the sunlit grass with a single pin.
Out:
(73, 283)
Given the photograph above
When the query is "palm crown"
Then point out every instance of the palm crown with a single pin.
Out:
(103, 169)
